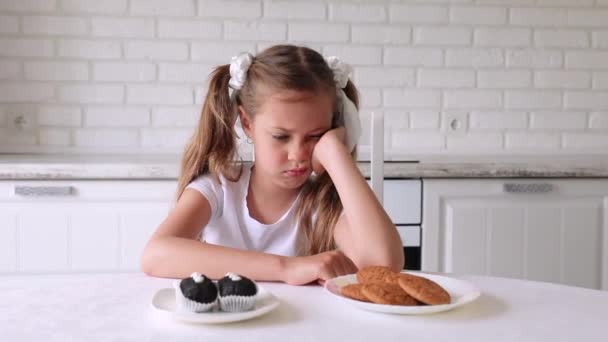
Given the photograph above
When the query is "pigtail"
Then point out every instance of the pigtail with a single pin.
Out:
(212, 148)
(351, 92)
(320, 200)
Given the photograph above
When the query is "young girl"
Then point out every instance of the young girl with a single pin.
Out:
(302, 211)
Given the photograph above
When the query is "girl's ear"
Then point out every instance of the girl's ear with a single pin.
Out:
(245, 121)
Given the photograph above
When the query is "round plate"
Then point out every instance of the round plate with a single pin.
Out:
(461, 293)
(164, 302)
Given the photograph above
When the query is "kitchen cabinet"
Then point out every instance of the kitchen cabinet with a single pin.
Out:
(78, 226)
(553, 230)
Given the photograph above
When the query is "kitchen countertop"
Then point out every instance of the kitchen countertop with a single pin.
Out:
(44, 167)
(117, 307)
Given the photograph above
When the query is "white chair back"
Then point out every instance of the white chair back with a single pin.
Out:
(377, 155)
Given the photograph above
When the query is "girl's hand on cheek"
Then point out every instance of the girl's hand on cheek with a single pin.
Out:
(322, 150)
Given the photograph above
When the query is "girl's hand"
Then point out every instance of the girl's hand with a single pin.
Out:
(332, 138)
(319, 267)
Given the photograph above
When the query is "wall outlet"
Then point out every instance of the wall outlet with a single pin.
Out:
(21, 121)
(20, 127)
(454, 123)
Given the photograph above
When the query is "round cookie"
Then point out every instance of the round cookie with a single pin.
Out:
(424, 290)
(377, 274)
(384, 293)
(353, 291)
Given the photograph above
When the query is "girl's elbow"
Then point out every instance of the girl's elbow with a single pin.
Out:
(398, 262)
(149, 261)
(395, 261)
(145, 265)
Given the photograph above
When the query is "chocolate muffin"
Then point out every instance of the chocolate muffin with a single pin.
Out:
(196, 293)
(236, 293)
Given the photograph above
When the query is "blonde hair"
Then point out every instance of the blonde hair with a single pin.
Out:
(213, 146)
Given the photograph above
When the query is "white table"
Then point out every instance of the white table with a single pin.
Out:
(116, 307)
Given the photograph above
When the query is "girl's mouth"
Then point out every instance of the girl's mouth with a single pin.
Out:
(295, 172)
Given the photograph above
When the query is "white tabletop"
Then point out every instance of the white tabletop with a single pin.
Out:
(109, 307)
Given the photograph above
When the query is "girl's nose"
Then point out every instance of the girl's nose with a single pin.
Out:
(299, 151)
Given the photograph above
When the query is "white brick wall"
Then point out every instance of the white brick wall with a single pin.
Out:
(478, 15)
(294, 10)
(121, 27)
(446, 78)
(124, 72)
(9, 24)
(93, 6)
(357, 12)
(600, 80)
(92, 93)
(89, 49)
(159, 7)
(552, 17)
(488, 120)
(126, 76)
(62, 116)
(56, 71)
(418, 14)
(54, 136)
(47, 25)
(513, 78)
(110, 116)
(241, 9)
(599, 120)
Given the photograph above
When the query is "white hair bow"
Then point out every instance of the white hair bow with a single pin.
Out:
(238, 69)
(350, 114)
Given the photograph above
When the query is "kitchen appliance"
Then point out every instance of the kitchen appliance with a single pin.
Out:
(403, 204)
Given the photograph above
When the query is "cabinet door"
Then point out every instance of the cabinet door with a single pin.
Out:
(95, 226)
(546, 230)
(402, 200)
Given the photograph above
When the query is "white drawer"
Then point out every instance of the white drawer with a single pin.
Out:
(66, 190)
(402, 200)
(410, 235)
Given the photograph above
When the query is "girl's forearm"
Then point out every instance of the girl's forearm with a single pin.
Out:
(175, 257)
(373, 233)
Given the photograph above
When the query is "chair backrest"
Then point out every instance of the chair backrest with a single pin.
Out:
(377, 155)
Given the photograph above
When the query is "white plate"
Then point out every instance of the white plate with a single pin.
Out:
(461, 293)
(164, 302)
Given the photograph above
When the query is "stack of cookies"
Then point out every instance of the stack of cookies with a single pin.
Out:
(380, 285)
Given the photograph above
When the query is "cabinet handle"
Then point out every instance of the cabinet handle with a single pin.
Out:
(533, 188)
(34, 191)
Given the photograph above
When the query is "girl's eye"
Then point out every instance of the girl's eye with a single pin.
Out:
(317, 137)
(280, 137)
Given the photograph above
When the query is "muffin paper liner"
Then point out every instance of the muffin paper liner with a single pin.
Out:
(237, 303)
(184, 304)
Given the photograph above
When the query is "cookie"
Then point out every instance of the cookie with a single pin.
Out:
(384, 293)
(377, 274)
(353, 291)
(423, 289)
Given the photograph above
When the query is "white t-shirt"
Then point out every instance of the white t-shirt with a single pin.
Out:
(230, 224)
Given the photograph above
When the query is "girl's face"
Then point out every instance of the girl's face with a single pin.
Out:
(284, 132)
